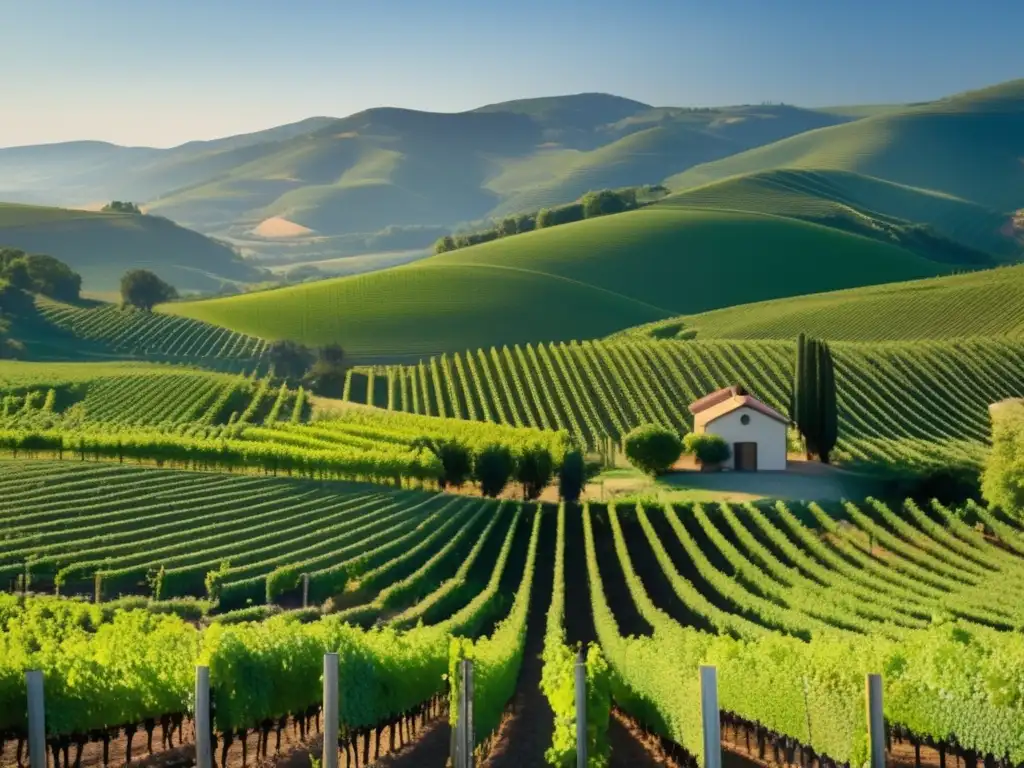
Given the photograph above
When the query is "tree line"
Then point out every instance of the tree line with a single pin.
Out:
(593, 204)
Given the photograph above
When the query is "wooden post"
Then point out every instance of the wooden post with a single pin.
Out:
(710, 717)
(36, 719)
(581, 710)
(465, 741)
(330, 756)
(305, 590)
(204, 729)
(876, 721)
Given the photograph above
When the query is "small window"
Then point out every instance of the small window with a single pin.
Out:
(745, 419)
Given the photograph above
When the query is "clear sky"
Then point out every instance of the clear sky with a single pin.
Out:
(161, 72)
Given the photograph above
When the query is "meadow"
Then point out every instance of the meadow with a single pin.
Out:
(579, 280)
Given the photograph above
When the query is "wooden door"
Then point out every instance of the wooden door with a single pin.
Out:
(745, 456)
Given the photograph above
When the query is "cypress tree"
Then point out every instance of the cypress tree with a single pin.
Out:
(797, 394)
(811, 426)
(828, 417)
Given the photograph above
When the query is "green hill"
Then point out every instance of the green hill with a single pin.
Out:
(573, 281)
(969, 146)
(102, 246)
(986, 303)
(864, 205)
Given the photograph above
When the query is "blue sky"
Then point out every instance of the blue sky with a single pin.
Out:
(161, 72)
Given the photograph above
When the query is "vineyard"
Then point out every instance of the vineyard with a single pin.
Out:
(908, 404)
(793, 604)
(163, 337)
(985, 303)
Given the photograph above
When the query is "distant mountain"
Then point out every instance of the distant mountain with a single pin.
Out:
(102, 246)
(301, 187)
(396, 167)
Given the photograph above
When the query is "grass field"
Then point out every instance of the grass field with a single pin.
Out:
(102, 246)
(569, 282)
(858, 203)
(902, 404)
(922, 147)
(986, 303)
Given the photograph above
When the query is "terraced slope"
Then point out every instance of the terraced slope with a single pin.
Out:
(102, 246)
(906, 404)
(924, 146)
(985, 303)
(865, 205)
(568, 282)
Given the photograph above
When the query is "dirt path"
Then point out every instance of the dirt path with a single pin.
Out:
(429, 750)
(526, 733)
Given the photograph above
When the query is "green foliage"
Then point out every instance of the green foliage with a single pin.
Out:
(281, 580)
(813, 400)
(708, 449)
(652, 449)
(493, 468)
(572, 476)
(534, 468)
(455, 457)
(606, 202)
(143, 289)
(558, 679)
(118, 206)
(1003, 478)
(39, 273)
(289, 359)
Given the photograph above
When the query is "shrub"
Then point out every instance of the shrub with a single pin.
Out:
(456, 460)
(708, 449)
(281, 580)
(1003, 479)
(534, 470)
(493, 469)
(572, 476)
(653, 449)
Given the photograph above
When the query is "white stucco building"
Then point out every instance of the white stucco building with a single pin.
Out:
(756, 434)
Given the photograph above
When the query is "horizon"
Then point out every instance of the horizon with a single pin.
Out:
(164, 75)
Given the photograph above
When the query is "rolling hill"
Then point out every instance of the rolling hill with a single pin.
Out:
(102, 246)
(865, 205)
(389, 166)
(985, 303)
(970, 146)
(573, 281)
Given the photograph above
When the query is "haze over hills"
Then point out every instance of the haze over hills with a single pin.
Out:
(102, 246)
(392, 166)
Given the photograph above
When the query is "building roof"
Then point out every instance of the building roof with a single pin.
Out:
(713, 399)
(733, 403)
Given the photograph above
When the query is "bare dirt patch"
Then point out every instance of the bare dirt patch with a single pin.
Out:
(279, 227)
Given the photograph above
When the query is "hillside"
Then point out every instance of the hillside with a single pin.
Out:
(102, 246)
(390, 166)
(986, 303)
(969, 146)
(865, 205)
(573, 281)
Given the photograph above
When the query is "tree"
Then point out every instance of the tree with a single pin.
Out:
(813, 397)
(708, 449)
(602, 203)
(445, 244)
(290, 359)
(327, 376)
(493, 468)
(39, 273)
(456, 459)
(653, 449)
(508, 226)
(572, 476)
(534, 470)
(118, 206)
(143, 289)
